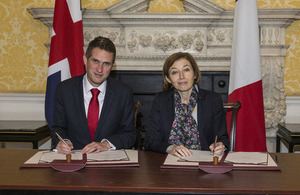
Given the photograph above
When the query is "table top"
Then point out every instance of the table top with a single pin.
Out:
(292, 129)
(149, 177)
(20, 125)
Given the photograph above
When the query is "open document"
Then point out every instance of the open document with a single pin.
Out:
(239, 160)
(247, 157)
(199, 156)
(107, 158)
(49, 156)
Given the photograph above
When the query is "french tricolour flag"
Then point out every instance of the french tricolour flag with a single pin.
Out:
(66, 50)
(245, 82)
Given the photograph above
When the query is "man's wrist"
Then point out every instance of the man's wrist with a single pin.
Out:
(108, 144)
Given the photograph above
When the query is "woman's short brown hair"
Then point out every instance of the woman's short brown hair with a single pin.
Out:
(171, 60)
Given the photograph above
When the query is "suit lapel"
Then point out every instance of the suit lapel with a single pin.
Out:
(170, 108)
(200, 115)
(78, 92)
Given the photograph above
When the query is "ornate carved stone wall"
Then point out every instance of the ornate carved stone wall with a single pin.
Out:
(274, 94)
(144, 40)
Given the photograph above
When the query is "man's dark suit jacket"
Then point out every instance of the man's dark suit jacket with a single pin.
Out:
(210, 116)
(116, 122)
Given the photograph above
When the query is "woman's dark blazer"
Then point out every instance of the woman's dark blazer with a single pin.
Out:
(211, 120)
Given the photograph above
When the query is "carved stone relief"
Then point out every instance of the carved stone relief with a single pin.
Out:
(273, 91)
(162, 41)
(219, 36)
(271, 36)
(117, 35)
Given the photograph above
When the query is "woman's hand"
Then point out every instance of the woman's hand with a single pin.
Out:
(217, 149)
(180, 151)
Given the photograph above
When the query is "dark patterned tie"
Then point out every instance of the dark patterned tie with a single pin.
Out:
(93, 112)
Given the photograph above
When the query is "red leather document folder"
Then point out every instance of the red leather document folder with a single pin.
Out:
(240, 163)
(36, 162)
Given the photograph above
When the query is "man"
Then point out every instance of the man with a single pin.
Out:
(73, 97)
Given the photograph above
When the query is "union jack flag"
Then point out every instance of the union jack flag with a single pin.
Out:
(66, 50)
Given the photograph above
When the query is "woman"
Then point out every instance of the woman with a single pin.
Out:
(185, 117)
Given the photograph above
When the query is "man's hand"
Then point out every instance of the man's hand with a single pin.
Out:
(63, 148)
(96, 147)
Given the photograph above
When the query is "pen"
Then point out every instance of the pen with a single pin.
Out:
(61, 139)
(215, 144)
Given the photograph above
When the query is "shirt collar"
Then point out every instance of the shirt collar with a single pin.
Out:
(87, 86)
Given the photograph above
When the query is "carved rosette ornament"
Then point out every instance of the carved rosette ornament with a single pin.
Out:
(114, 34)
(218, 36)
(163, 41)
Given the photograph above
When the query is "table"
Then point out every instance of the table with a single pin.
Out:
(146, 179)
(289, 134)
(24, 131)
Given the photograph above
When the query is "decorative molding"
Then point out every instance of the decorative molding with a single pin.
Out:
(194, 6)
(129, 6)
(144, 40)
(22, 107)
(274, 94)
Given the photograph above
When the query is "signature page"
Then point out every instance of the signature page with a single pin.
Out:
(199, 156)
(113, 155)
(247, 157)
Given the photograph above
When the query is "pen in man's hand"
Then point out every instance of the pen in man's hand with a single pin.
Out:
(61, 139)
(215, 144)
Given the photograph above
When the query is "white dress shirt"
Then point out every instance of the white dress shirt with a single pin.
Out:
(87, 96)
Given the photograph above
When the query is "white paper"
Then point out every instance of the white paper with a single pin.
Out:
(199, 156)
(131, 157)
(247, 157)
(112, 155)
(173, 160)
